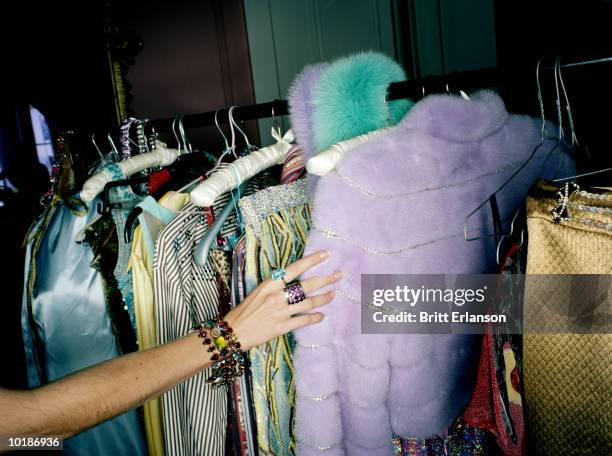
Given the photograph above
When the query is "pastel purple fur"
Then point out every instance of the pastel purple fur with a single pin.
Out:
(301, 110)
(445, 157)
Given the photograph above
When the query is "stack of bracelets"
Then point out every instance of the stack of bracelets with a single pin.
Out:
(228, 362)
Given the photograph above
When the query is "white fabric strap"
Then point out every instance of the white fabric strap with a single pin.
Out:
(326, 160)
(161, 156)
(228, 178)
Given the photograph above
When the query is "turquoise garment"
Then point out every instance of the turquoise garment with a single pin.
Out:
(123, 195)
(64, 316)
(151, 227)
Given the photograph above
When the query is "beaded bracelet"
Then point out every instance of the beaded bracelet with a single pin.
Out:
(228, 362)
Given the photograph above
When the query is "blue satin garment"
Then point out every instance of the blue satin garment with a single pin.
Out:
(70, 321)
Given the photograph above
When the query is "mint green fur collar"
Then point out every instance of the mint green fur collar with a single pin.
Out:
(349, 98)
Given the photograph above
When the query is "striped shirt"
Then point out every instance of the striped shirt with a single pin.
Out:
(194, 415)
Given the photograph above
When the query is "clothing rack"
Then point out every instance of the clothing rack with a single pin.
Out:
(413, 88)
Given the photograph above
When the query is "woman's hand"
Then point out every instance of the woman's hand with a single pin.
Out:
(265, 314)
(88, 397)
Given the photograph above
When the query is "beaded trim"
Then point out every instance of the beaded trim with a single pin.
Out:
(386, 307)
(561, 214)
(445, 187)
(346, 295)
(330, 234)
(317, 447)
(601, 196)
(270, 201)
(596, 209)
(309, 346)
(594, 223)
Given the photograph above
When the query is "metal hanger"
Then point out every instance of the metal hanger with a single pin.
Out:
(509, 236)
(225, 152)
(93, 141)
(519, 169)
(234, 124)
(110, 157)
(186, 143)
(573, 133)
(178, 141)
(275, 122)
(112, 143)
(190, 185)
(207, 243)
(183, 144)
(561, 139)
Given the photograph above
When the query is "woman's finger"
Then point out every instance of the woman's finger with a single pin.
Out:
(294, 270)
(314, 283)
(312, 302)
(308, 285)
(300, 321)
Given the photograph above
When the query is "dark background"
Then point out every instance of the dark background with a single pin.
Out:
(195, 58)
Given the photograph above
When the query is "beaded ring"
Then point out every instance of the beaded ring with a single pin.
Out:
(294, 292)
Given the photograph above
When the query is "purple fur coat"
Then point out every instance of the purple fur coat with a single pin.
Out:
(407, 190)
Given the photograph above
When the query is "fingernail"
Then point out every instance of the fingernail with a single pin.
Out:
(338, 275)
(324, 254)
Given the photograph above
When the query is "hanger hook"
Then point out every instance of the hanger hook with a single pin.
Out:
(112, 143)
(143, 124)
(541, 102)
(186, 143)
(235, 124)
(275, 121)
(221, 131)
(232, 131)
(93, 141)
(178, 141)
(558, 102)
(568, 108)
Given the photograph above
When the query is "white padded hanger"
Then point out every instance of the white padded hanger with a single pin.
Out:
(326, 160)
(161, 156)
(241, 170)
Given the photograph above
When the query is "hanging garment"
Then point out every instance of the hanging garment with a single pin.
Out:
(240, 394)
(101, 236)
(293, 166)
(496, 403)
(276, 221)
(65, 314)
(154, 217)
(124, 196)
(568, 377)
(396, 204)
(194, 415)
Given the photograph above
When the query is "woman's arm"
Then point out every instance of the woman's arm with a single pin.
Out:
(88, 397)
(91, 396)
